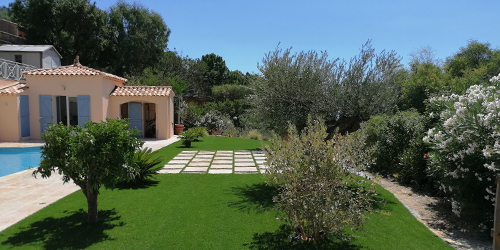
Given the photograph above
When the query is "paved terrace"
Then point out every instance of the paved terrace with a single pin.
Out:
(216, 162)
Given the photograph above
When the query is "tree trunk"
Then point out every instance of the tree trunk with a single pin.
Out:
(91, 205)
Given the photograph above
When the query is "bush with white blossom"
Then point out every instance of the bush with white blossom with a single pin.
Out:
(466, 143)
(214, 120)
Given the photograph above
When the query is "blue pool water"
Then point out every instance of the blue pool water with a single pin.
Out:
(13, 160)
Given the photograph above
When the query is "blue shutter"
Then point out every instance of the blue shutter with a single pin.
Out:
(135, 116)
(24, 106)
(45, 102)
(83, 102)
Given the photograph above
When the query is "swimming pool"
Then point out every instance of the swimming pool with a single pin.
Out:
(14, 160)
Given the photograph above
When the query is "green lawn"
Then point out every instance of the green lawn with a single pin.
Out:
(200, 211)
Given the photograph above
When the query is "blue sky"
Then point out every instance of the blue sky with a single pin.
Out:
(243, 31)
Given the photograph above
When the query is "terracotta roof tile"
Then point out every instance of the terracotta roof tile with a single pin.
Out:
(72, 70)
(142, 91)
(13, 90)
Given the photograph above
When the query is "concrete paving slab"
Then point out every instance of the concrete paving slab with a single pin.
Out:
(204, 156)
(242, 156)
(244, 164)
(221, 166)
(222, 162)
(225, 152)
(182, 158)
(201, 160)
(220, 171)
(260, 162)
(178, 162)
(242, 152)
(170, 171)
(223, 158)
(199, 164)
(260, 158)
(245, 169)
(206, 152)
(243, 160)
(195, 169)
(174, 166)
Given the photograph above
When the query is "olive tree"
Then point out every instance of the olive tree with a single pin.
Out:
(315, 190)
(345, 93)
(100, 154)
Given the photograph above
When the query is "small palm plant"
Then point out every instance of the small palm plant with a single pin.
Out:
(192, 134)
(146, 165)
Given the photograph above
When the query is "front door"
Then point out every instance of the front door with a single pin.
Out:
(135, 116)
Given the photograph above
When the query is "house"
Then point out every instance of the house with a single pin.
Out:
(11, 33)
(40, 56)
(75, 94)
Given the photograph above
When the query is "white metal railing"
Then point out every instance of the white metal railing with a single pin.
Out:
(12, 70)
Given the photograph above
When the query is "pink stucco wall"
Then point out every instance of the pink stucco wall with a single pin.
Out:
(164, 111)
(9, 121)
(97, 87)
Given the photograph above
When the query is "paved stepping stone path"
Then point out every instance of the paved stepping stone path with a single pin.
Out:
(216, 162)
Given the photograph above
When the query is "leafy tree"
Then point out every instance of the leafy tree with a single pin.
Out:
(53, 22)
(316, 193)
(425, 79)
(216, 71)
(238, 78)
(474, 64)
(137, 38)
(230, 92)
(366, 86)
(292, 87)
(4, 13)
(101, 154)
(345, 93)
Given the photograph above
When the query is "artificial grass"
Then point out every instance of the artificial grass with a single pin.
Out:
(201, 211)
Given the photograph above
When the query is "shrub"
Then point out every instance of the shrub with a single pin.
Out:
(145, 164)
(466, 143)
(192, 134)
(230, 92)
(214, 120)
(397, 146)
(318, 196)
(190, 114)
(254, 134)
(233, 109)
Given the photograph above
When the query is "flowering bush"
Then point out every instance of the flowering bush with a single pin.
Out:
(466, 143)
(214, 120)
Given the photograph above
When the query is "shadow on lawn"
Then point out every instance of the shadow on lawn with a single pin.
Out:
(139, 185)
(69, 232)
(254, 198)
(280, 240)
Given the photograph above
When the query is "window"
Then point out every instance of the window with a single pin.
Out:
(18, 58)
(67, 110)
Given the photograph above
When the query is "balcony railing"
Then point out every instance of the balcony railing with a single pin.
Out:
(12, 70)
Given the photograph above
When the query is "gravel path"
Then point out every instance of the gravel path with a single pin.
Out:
(423, 208)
